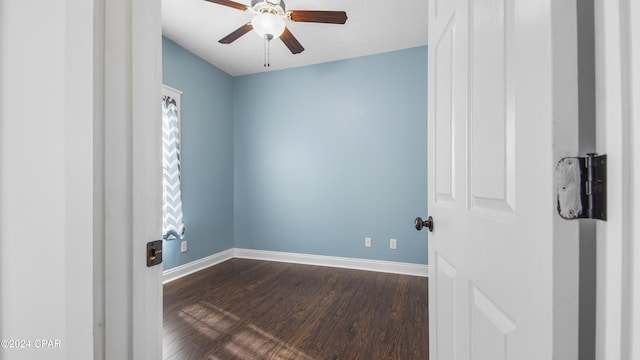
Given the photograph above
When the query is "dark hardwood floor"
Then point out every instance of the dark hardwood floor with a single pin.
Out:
(246, 309)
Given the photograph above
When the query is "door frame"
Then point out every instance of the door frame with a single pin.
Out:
(127, 178)
(617, 45)
(618, 311)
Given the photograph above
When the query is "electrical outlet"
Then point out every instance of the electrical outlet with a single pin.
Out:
(183, 246)
(367, 242)
(393, 244)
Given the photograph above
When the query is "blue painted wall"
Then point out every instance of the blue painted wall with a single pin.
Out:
(326, 155)
(335, 154)
(207, 154)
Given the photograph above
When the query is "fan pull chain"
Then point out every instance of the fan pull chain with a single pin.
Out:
(267, 60)
(267, 46)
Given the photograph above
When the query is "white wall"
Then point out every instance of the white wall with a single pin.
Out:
(46, 204)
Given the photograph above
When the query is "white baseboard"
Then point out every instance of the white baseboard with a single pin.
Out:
(195, 266)
(305, 259)
(333, 261)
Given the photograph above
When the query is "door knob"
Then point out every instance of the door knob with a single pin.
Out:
(424, 223)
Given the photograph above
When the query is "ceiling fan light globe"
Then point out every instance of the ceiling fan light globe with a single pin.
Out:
(268, 25)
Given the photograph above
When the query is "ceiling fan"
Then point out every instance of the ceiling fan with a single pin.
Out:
(269, 22)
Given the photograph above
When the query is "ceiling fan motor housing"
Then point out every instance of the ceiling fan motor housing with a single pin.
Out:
(271, 6)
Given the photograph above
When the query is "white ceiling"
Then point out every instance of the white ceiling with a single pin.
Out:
(373, 27)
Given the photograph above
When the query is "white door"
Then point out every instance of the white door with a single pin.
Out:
(502, 113)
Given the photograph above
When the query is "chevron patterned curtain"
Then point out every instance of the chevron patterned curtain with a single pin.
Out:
(173, 227)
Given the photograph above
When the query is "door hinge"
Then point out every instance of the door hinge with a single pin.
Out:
(581, 184)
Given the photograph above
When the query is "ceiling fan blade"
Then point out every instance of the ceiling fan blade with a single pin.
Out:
(230, 3)
(318, 16)
(236, 34)
(292, 43)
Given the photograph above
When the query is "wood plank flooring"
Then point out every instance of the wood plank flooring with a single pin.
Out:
(246, 309)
